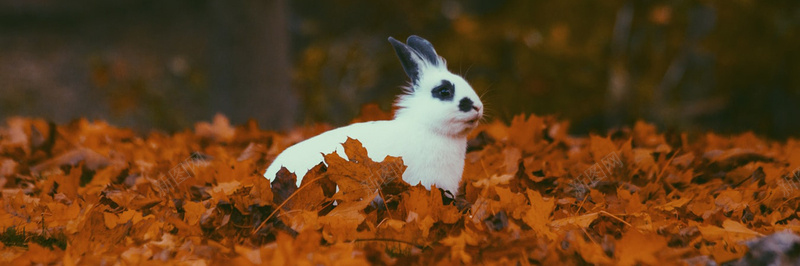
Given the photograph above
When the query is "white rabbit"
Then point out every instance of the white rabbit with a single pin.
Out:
(429, 129)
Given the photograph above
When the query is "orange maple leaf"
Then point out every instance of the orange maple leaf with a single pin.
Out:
(359, 177)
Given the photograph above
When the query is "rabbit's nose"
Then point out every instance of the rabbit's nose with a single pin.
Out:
(465, 105)
(476, 108)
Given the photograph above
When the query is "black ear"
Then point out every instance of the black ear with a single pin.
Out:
(408, 58)
(425, 48)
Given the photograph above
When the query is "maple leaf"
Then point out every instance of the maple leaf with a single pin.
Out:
(425, 207)
(730, 200)
(538, 216)
(526, 134)
(342, 222)
(730, 231)
(284, 185)
(582, 221)
(359, 177)
(601, 147)
(193, 212)
(672, 205)
(515, 203)
(314, 192)
(222, 190)
(635, 247)
(112, 220)
(261, 192)
(458, 245)
(633, 204)
(645, 135)
(589, 251)
(219, 130)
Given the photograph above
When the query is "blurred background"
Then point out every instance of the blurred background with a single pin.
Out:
(727, 66)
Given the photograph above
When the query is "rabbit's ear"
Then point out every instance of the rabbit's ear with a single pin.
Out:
(410, 59)
(425, 48)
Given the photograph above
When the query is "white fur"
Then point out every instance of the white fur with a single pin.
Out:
(429, 134)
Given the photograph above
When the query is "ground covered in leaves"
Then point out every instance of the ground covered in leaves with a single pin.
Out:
(91, 193)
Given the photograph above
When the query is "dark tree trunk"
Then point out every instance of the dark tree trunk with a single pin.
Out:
(249, 65)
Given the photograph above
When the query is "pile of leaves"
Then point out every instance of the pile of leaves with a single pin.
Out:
(91, 193)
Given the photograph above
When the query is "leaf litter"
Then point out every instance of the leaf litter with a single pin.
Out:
(90, 193)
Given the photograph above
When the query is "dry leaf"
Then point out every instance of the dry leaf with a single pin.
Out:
(532, 193)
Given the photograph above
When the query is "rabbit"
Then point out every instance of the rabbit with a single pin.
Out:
(429, 129)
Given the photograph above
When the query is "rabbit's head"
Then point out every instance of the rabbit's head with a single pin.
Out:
(442, 101)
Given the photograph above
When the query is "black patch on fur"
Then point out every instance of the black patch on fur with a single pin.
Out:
(465, 105)
(408, 58)
(445, 92)
(425, 48)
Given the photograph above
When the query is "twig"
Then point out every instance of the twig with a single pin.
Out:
(615, 217)
(660, 173)
(284, 203)
(390, 240)
(581, 206)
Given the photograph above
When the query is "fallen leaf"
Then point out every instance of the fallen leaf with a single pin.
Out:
(637, 248)
(360, 177)
(538, 216)
(193, 211)
(219, 130)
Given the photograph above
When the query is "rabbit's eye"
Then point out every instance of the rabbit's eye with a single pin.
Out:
(444, 92)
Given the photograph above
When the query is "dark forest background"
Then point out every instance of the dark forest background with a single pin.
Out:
(727, 66)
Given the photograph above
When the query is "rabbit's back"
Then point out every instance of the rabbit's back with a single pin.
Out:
(430, 158)
(304, 155)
